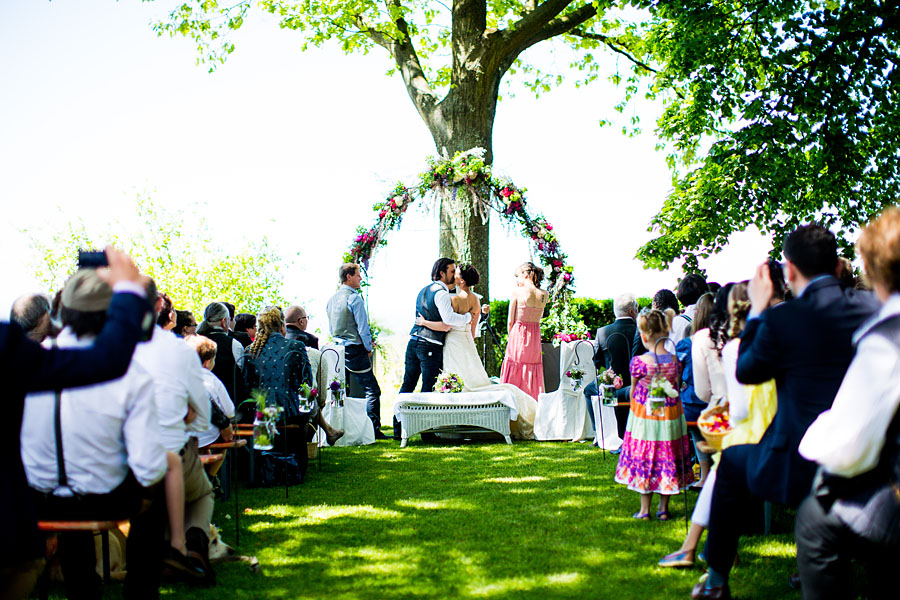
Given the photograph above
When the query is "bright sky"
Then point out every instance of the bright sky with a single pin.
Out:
(298, 146)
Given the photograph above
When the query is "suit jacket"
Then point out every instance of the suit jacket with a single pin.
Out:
(26, 366)
(614, 347)
(805, 345)
(308, 339)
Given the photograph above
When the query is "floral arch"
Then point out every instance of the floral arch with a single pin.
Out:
(466, 173)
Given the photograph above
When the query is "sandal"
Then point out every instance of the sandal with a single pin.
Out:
(663, 515)
(679, 560)
(641, 516)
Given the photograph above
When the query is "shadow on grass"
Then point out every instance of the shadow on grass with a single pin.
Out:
(470, 521)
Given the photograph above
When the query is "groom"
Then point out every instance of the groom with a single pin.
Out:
(425, 351)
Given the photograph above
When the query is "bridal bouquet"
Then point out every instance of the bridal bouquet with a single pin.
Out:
(660, 389)
(448, 383)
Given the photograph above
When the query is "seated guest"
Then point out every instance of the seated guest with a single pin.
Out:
(805, 345)
(245, 323)
(297, 320)
(688, 292)
(221, 406)
(166, 318)
(242, 337)
(32, 313)
(185, 323)
(853, 510)
(662, 300)
(614, 351)
(229, 351)
(182, 404)
(110, 462)
(702, 378)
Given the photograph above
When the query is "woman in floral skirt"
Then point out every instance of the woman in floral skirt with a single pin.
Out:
(655, 455)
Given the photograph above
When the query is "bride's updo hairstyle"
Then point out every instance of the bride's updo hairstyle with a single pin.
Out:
(268, 321)
(655, 323)
(532, 272)
(469, 274)
(879, 246)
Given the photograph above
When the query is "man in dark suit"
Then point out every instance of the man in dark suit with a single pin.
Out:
(805, 345)
(25, 366)
(296, 321)
(614, 351)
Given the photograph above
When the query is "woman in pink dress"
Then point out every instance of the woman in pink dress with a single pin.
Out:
(522, 365)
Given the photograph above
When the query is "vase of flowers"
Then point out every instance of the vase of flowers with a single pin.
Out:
(448, 383)
(307, 398)
(264, 430)
(575, 375)
(608, 382)
(660, 390)
(337, 392)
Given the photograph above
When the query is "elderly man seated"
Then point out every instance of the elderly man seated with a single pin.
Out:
(91, 453)
(32, 313)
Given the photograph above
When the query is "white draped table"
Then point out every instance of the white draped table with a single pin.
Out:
(492, 410)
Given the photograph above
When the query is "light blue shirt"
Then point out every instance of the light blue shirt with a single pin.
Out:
(357, 306)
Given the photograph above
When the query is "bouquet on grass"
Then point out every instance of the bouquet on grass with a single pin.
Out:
(660, 389)
(448, 383)
(576, 374)
(264, 430)
(609, 382)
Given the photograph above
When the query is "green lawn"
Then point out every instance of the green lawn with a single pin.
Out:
(476, 520)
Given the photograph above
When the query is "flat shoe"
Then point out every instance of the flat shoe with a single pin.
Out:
(679, 560)
(701, 592)
(663, 515)
(641, 516)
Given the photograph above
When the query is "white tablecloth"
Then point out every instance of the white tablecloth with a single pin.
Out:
(563, 415)
(605, 417)
(351, 417)
(504, 397)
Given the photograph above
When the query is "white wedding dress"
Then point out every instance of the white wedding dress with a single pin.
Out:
(461, 357)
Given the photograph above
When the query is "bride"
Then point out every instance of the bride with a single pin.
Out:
(461, 357)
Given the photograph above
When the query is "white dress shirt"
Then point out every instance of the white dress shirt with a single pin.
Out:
(681, 324)
(178, 380)
(218, 394)
(106, 429)
(848, 439)
(443, 302)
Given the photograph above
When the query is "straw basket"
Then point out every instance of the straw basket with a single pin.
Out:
(713, 438)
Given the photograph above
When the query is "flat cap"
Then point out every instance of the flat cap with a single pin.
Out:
(86, 292)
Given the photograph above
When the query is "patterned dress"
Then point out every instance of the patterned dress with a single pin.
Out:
(656, 452)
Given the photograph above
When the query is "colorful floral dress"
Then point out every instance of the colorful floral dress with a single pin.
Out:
(655, 455)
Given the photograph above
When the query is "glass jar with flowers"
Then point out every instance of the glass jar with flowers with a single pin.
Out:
(608, 382)
(575, 375)
(264, 424)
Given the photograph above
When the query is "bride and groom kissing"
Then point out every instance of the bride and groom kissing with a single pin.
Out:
(442, 339)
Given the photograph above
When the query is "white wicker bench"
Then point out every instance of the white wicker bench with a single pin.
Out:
(416, 418)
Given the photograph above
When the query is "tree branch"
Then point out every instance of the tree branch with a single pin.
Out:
(517, 33)
(613, 45)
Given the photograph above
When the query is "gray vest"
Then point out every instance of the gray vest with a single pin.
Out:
(340, 317)
(426, 307)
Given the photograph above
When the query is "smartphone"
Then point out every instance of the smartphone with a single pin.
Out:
(92, 259)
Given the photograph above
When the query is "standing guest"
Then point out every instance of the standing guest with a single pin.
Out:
(182, 405)
(522, 365)
(278, 367)
(109, 461)
(229, 352)
(662, 300)
(27, 367)
(614, 352)
(185, 323)
(805, 345)
(166, 318)
(296, 320)
(853, 509)
(349, 324)
(654, 457)
(32, 313)
(245, 323)
(688, 292)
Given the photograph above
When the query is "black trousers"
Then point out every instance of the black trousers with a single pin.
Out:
(357, 361)
(145, 538)
(824, 548)
(423, 359)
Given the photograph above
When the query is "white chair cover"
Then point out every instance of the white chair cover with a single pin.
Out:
(351, 417)
(562, 415)
(605, 417)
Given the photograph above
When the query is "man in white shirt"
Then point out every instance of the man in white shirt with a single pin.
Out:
(688, 292)
(182, 405)
(222, 408)
(111, 460)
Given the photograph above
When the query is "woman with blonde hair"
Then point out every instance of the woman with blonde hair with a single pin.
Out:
(523, 366)
(278, 367)
(654, 456)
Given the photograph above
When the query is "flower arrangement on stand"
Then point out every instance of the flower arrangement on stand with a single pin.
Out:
(307, 397)
(576, 375)
(608, 382)
(264, 424)
(448, 383)
(660, 389)
(337, 392)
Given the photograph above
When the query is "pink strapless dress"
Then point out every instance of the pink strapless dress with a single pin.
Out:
(522, 365)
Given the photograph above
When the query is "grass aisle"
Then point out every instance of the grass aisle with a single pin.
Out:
(485, 520)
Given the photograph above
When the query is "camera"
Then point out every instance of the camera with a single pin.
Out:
(92, 259)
